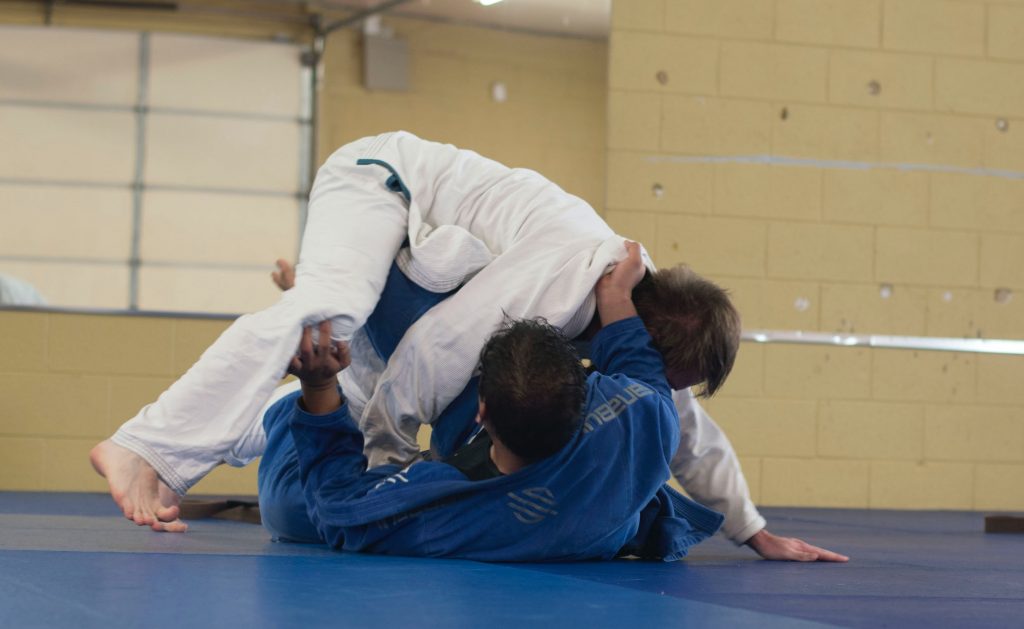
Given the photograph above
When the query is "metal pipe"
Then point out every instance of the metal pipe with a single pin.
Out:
(362, 15)
(882, 341)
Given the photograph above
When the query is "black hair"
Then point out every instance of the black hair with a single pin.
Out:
(533, 386)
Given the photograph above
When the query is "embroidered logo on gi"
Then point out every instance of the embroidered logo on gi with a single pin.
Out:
(532, 505)
(393, 480)
(614, 407)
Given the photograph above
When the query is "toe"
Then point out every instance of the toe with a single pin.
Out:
(168, 514)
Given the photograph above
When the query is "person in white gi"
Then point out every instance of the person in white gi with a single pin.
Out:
(516, 244)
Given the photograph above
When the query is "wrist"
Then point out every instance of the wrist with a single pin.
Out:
(612, 310)
(321, 398)
(315, 386)
(755, 540)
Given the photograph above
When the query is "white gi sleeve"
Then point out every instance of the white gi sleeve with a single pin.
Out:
(707, 468)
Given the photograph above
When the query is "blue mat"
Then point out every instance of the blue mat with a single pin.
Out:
(71, 560)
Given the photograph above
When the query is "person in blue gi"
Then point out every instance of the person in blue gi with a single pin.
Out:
(564, 467)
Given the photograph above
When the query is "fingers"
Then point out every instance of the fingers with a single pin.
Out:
(324, 342)
(818, 554)
(306, 346)
(828, 555)
(344, 354)
(284, 276)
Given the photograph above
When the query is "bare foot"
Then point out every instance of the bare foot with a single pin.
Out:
(136, 488)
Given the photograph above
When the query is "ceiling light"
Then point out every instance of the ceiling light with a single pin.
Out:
(488, 3)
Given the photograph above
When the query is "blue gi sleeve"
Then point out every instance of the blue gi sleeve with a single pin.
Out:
(625, 348)
(332, 468)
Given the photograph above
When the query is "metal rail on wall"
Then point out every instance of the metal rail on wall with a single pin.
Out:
(929, 343)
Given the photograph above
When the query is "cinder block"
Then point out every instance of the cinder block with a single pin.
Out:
(923, 376)
(767, 191)
(814, 483)
(870, 430)
(987, 434)
(999, 379)
(578, 125)
(742, 19)
(822, 252)
(1006, 32)
(903, 81)
(578, 171)
(1002, 260)
(128, 394)
(864, 309)
(998, 487)
(711, 246)
(767, 71)
(747, 376)
(23, 341)
(938, 26)
(776, 305)
(634, 120)
(929, 257)
(906, 485)
(998, 318)
(760, 427)
(686, 64)
(636, 182)
(638, 226)
(1004, 150)
(953, 312)
(826, 133)
(435, 73)
(963, 201)
(745, 294)
(751, 468)
(696, 125)
(231, 481)
(110, 344)
(932, 139)
(817, 372)
(21, 464)
(638, 15)
(53, 405)
(854, 23)
(979, 87)
(66, 466)
(876, 197)
(974, 314)
(192, 337)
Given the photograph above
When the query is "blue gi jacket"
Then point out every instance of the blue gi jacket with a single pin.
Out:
(601, 496)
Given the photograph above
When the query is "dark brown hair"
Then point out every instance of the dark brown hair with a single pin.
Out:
(692, 322)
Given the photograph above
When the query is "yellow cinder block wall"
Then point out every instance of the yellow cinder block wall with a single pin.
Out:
(552, 122)
(803, 153)
(67, 381)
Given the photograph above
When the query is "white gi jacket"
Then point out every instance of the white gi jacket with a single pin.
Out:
(519, 246)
